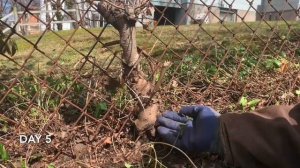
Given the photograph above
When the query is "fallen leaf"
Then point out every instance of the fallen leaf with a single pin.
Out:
(167, 63)
(127, 165)
(63, 134)
(174, 84)
(107, 141)
(284, 66)
(298, 92)
(80, 149)
(143, 87)
(287, 95)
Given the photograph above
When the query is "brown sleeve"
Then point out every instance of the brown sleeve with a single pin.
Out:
(269, 137)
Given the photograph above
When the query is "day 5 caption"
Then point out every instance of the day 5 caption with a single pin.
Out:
(34, 139)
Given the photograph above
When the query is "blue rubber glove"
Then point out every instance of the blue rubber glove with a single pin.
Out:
(193, 129)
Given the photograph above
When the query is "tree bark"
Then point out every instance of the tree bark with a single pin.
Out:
(59, 17)
(71, 5)
(128, 43)
(125, 24)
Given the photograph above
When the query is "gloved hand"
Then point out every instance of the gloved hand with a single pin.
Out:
(199, 133)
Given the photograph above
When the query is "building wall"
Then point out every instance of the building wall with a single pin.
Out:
(201, 12)
(180, 15)
(249, 16)
(228, 16)
(286, 15)
(214, 15)
(288, 10)
(32, 24)
(279, 5)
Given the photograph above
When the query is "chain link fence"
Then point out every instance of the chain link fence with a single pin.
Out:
(62, 68)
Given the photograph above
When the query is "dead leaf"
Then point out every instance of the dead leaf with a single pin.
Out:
(63, 134)
(167, 63)
(174, 84)
(107, 141)
(143, 87)
(80, 150)
(284, 66)
(287, 95)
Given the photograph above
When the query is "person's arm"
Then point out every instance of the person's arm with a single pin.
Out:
(269, 137)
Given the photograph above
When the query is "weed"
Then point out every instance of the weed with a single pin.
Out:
(23, 163)
(249, 64)
(101, 108)
(272, 64)
(246, 103)
(122, 97)
(210, 69)
(51, 166)
(186, 67)
(3, 153)
(3, 125)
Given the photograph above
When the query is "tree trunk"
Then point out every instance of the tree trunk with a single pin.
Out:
(128, 43)
(123, 18)
(71, 5)
(59, 16)
(125, 24)
(47, 14)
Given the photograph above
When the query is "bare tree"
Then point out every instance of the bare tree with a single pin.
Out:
(59, 17)
(47, 13)
(71, 4)
(123, 15)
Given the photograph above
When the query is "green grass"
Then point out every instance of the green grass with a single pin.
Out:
(50, 48)
(83, 41)
(212, 50)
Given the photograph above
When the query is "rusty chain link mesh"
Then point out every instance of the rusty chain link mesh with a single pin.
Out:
(66, 83)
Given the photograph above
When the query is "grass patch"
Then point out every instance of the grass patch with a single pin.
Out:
(54, 47)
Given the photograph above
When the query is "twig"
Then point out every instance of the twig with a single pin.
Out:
(82, 163)
(136, 95)
(2, 166)
(161, 164)
(108, 44)
(113, 143)
(181, 151)
(154, 155)
(142, 5)
(112, 4)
